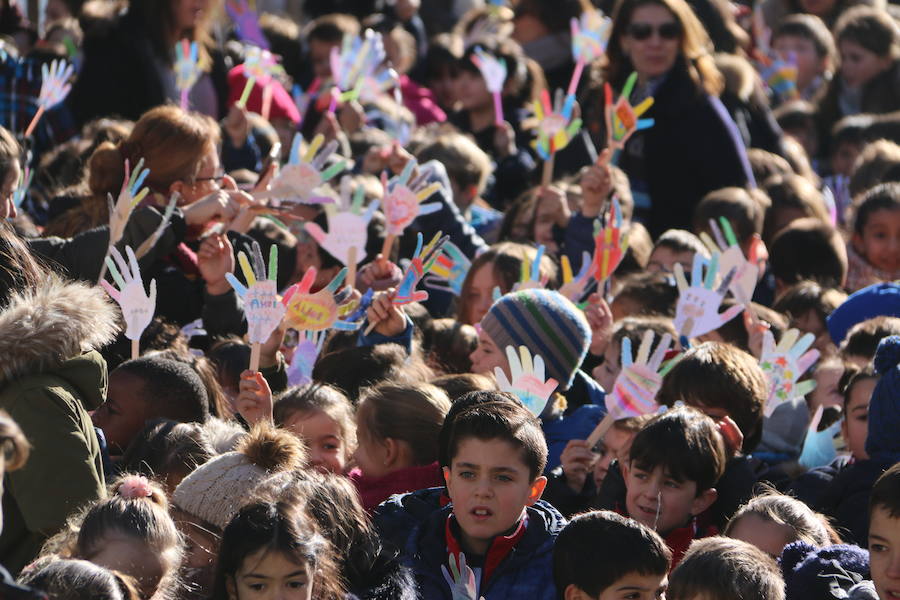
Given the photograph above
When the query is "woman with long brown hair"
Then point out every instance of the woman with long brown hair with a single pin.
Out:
(128, 67)
(693, 146)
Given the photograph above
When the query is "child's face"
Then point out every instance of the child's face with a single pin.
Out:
(884, 553)
(124, 413)
(324, 439)
(490, 486)
(480, 293)
(879, 243)
(660, 501)
(858, 65)
(768, 536)
(843, 158)
(811, 322)
(826, 392)
(133, 557)
(371, 455)
(8, 208)
(487, 356)
(320, 55)
(635, 586)
(270, 575)
(615, 446)
(809, 63)
(443, 85)
(663, 260)
(201, 546)
(606, 372)
(472, 91)
(855, 426)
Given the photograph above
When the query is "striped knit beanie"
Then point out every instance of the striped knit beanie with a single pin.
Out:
(547, 323)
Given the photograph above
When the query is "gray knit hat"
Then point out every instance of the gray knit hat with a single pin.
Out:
(219, 488)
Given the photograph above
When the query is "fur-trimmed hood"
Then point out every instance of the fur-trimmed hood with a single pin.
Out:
(41, 329)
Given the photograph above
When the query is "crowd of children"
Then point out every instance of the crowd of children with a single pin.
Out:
(471, 299)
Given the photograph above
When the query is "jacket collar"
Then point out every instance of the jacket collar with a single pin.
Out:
(501, 546)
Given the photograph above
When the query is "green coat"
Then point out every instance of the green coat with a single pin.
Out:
(50, 378)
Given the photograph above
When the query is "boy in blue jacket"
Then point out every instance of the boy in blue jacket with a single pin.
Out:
(494, 537)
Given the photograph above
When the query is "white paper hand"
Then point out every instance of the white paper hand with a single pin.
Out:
(697, 310)
(137, 307)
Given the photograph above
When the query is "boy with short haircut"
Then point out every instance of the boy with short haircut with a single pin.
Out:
(670, 477)
(601, 555)
(495, 524)
(675, 246)
(719, 568)
(808, 249)
(884, 534)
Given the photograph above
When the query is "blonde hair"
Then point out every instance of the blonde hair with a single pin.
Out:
(319, 397)
(413, 413)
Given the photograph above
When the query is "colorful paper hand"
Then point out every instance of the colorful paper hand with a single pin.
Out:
(358, 59)
(732, 257)
(449, 270)
(493, 70)
(622, 119)
(610, 244)
(461, 579)
(556, 128)
(347, 234)
(246, 22)
(55, 87)
(526, 379)
(299, 179)
(590, 34)
(129, 197)
(818, 446)
(530, 278)
(422, 262)
(262, 307)
(780, 76)
(305, 354)
(402, 197)
(784, 364)
(318, 311)
(22, 186)
(137, 307)
(573, 287)
(635, 389)
(261, 65)
(697, 310)
(187, 70)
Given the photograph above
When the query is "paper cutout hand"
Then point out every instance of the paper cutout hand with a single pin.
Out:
(187, 71)
(527, 379)
(22, 186)
(461, 579)
(246, 22)
(357, 59)
(556, 127)
(262, 307)
(780, 76)
(402, 197)
(697, 310)
(590, 34)
(347, 233)
(732, 257)
(129, 197)
(784, 364)
(302, 175)
(573, 287)
(137, 307)
(318, 311)
(818, 446)
(493, 70)
(622, 119)
(55, 84)
(530, 278)
(610, 244)
(634, 391)
(449, 270)
(305, 354)
(261, 65)
(422, 262)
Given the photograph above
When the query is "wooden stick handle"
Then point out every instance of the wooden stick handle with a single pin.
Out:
(351, 267)
(255, 350)
(547, 175)
(34, 121)
(388, 246)
(135, 348)
(600, 430)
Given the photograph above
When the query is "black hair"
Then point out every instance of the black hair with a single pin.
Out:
(683, 441)
(73, 579)
(165, 446)
(886, 492)
(885, 196)
(173, 386)
(500, 419)
(598, 548)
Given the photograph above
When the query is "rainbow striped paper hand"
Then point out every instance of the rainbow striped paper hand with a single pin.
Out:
(732, 258)
(526, 379)
(610, 244)
(634, 391)
(402, 198)
(303, 174)
(556, 127)
(623, 119)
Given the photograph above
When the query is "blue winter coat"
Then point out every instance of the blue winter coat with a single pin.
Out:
(526, 572)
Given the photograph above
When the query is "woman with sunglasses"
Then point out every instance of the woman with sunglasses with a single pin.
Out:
(693, 147)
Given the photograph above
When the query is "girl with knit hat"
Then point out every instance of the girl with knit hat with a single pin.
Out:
(130, 532)
(207, 499)
(552, 327)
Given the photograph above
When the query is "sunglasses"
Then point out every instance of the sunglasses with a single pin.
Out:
(643, 31)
